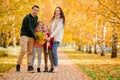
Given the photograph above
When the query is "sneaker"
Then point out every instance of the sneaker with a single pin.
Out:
(55, 69)
(18, 68)
(51, 70)
(30, 69)
(46, 69)
(38, 70)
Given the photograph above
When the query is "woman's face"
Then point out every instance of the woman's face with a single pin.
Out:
(57, 11)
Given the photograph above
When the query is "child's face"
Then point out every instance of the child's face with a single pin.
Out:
(40, 25)
(45, 28)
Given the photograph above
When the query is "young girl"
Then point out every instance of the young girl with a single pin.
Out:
(48, 50)
(37, 47)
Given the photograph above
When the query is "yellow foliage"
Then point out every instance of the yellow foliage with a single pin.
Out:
(40, 37)
(84, 18)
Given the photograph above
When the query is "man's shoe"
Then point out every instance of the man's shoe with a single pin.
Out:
(38, 70)
(30, 69)
(51, 70)
(18, 68)
(46, 69)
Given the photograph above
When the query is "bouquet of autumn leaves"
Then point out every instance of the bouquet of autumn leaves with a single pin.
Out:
(40, 37)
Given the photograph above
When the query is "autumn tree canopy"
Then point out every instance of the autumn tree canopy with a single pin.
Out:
(87, 21)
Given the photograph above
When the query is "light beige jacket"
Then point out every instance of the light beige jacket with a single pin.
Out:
(57, 29)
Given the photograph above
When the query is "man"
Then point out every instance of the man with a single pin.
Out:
(27, 37)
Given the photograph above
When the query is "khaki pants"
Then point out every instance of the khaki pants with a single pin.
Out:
(26, 44)
(46, 57)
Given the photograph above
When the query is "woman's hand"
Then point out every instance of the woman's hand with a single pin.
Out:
(50, 32)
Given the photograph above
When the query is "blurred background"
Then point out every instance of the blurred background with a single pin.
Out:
(92, 26)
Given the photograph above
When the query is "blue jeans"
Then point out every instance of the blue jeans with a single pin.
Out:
(54, 53)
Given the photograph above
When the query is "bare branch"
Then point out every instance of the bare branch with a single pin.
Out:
(109, 9)
(114, 22)
(111, 20)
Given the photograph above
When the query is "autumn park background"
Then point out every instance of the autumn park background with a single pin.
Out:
(91, 37)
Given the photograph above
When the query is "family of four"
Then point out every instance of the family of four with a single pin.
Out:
(30, 46)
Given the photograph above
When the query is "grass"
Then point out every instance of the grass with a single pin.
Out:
(6, 67)
(95, 66)
(12, 51)
(8, 58)
(6, 63)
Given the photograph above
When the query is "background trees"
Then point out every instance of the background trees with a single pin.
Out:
(89, 23)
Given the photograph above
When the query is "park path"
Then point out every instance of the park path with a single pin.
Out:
(67, 71)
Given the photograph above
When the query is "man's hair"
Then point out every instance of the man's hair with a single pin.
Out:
(35, 6)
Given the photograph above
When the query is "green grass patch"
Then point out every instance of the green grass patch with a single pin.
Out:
(6, 63)
(4, 53)
(96, 66)
(9, 57)
(10, 51)
(6, 67)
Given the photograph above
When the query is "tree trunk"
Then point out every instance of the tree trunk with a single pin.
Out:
(102, 52)
(5, 40)
(114, 46)
(95, 50)
(14, 42)
(102, 49)
(79, 48)
(90, 49)
(0, 39)
(87, 49)
(82, 49)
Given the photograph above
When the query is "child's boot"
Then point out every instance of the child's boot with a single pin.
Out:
(38, 70)
(46, 69)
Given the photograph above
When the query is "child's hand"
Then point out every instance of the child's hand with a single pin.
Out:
(48, 39)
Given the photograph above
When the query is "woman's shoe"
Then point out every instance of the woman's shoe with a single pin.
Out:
(55, 69)
(38, 70)
(46, 69)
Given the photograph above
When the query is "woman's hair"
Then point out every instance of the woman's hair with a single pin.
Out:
(39, 23)
(61, 15)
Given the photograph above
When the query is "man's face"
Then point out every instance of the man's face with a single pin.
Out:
(35, 11)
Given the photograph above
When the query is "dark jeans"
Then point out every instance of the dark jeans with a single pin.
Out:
(46, 57)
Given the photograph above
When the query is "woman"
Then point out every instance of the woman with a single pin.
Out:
(57, 30)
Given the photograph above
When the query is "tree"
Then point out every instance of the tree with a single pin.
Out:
(113, 17)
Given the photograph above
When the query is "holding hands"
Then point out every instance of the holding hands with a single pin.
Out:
(48, 39)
